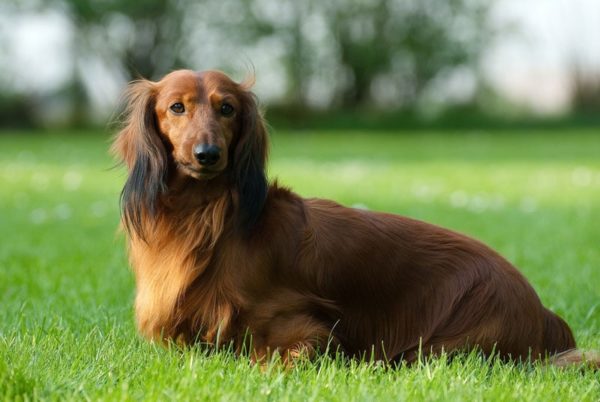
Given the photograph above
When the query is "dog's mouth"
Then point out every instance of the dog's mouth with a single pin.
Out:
(198, 173)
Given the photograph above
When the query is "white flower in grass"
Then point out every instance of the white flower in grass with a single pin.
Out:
(63, 211)
(425, 192)
(38, 216)
(72, 180)
(459, 199)
(528, 205)
(362, 206)
(348, 172)
(478, 204)
(582, 176)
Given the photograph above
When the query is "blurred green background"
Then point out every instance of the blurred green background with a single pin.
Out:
(338, 63)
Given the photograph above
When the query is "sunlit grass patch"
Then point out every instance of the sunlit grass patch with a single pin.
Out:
(66, 322)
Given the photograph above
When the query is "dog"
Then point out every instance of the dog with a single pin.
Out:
(221, 256)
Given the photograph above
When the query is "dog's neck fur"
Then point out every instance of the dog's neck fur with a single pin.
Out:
(178, 248)
(181, 186)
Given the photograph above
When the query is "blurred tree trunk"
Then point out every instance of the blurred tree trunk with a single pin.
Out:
(296, 63)
(585, 96)
(363, 56)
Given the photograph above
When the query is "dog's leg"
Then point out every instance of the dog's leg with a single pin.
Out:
(293, 339)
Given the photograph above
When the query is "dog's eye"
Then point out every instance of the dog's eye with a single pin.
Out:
(177, 107)
(226, 109)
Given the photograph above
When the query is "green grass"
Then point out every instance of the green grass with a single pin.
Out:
(66, 322)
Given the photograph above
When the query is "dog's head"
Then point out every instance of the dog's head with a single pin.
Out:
(201, 125)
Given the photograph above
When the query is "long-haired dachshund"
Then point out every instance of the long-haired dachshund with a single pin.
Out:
(221, 256)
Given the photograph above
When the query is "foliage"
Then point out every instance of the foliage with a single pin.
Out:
(129, 39)
(364, 50)
(586, 91)
(11, 105)
(66, 323)
(339, 53)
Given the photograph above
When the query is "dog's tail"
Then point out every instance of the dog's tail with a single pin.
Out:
(559, 340)
(577, 358)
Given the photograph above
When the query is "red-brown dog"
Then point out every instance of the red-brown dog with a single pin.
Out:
(219, 254)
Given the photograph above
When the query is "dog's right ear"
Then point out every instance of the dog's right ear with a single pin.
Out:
(141, 148)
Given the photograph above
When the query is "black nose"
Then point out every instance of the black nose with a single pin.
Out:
(207, 155)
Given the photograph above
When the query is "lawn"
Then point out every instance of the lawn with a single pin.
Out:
(66, 322)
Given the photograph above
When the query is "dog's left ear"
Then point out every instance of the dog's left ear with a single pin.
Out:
(248, 166)
(140, 147)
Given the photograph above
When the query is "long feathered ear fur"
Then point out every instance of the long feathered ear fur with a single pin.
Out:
(249, 160)
(140, 147)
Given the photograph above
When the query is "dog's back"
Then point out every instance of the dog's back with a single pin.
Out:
(403, 284)
(557, 334)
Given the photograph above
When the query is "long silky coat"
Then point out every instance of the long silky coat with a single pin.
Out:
(221, 256)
